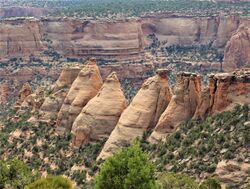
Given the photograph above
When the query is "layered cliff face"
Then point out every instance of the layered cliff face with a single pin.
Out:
(116, 40)
(141, 115)
(20, 38)
(237, 50)
(193, 31)
(100, 116)
(52, 104)
(120, 40)
(181, 107)
(224, 92)
(85, 87)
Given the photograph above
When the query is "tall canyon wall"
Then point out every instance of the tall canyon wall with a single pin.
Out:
(112, 40)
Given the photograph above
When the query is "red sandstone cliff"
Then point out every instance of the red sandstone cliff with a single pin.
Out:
(224, 91)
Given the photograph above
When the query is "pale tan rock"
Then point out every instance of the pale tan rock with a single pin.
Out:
(25, 91)
(32, 102)
(231, 172)
(4, 92)
(141, 115)
(85, 87)
(181, 107)
(237, 51)
(52, 104)
(100, 116)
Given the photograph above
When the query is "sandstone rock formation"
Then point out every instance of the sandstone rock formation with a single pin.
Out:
(20, 38)
(232, 172)
(225, 90)
(112, 40)
(100, 116)
(85, 87)
(237, 51)
(32, 102)
(141, 115)
(52, 104)
(4, 92)
(181, 107)
(25, 91)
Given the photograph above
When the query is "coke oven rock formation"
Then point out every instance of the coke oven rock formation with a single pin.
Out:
(52, 104)
(85, 87)
(141, 115)
(181, 107)
(100, 116)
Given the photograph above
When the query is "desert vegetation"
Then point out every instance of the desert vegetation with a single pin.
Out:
(117, 9)
(194, 149)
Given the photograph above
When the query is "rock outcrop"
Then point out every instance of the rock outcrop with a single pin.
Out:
(119, 40)
(232, 173)
(32, 102)
(237, 51)
(141, 115)
(52, 104)
(85, 87)
(25, 91)
(20, 38)
(4, 92)
(100, 116)
(181, 107)
(225, 90)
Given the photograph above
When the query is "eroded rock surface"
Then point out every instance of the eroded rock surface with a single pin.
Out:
(232, 172)
(112, 40)
(237, 51)
(25, 91)
(100, 116)
(181, 107)
(225, 90)
(4, 92)
(85, 87)
(52, 104)
(141, 115)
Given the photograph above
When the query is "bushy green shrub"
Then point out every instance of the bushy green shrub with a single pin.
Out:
(127, 169)
(176, 181)
(51, 182)
(15, 174)
(210, 183)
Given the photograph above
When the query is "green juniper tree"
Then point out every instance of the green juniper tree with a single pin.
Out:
(128, 169)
